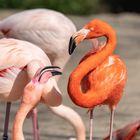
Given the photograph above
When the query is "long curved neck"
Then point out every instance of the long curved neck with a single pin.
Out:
(89, 99)
(17, 133)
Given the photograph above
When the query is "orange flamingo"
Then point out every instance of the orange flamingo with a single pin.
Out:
(100, 77)
(129, 132)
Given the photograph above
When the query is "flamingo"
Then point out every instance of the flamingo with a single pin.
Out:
(100, 77)
(49, 30)
(36, 85)
(129, 132)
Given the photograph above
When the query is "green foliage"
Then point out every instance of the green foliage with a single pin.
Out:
(65, 6)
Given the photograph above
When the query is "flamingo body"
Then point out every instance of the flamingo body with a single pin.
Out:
(108, 79)
(15, 55)
(48, 29)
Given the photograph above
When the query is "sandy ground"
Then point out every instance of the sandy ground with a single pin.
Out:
(128, 39)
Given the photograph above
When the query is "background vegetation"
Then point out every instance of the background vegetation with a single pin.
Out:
(74, 6)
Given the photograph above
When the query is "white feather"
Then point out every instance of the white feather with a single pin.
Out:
(7, 79)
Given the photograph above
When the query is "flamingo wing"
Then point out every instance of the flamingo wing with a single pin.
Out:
(109, 77)
(19, 53)
(15, 55)
(7, 78)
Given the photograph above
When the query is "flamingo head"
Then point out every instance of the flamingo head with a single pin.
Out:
(34, 90)
(92, 30)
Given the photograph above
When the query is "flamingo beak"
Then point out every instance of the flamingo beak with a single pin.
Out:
(50, 69)
(77, 38)
(72, 45)
(54, 72)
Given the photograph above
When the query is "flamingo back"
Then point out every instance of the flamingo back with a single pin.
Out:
(40, 26)
(15, 55)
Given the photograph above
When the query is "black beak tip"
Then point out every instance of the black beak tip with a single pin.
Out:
(56, 73)
(72, 46)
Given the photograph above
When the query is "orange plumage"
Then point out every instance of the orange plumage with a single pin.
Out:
(106, 80)
(101, 76)
(129, 132)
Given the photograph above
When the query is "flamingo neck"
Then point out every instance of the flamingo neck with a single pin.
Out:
(18, 122)
(89, 99)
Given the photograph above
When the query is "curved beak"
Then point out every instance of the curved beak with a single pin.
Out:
(55, 72)
(77, 38)
(50, 69)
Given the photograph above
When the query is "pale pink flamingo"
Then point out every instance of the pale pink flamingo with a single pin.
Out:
(50, 30)
(26, 76)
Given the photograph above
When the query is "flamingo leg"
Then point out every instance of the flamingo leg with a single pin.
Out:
(35, 124)
(6, 124)
(91, 124)
(111, 123)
